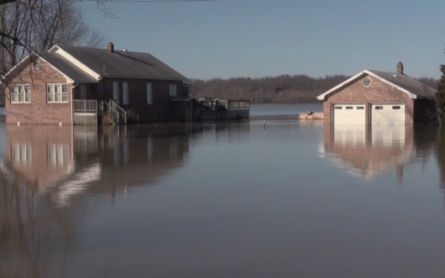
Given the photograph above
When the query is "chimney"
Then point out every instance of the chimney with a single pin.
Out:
(110, 47)
(400, 68)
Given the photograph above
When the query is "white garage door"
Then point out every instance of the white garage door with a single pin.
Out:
(349, 113)
(392, 114)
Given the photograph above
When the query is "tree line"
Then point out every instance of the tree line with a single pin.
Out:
(278, 89)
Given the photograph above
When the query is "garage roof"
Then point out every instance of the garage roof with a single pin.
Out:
(411, 86)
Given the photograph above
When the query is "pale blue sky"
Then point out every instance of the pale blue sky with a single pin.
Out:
(256, 38)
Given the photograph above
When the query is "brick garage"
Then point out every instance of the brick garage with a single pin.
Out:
(371, 90)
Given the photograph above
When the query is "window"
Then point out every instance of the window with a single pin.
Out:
(349, 107)
(20, 93)
(21, 154)
(57, 155)
(149, 93)
(126, 93)
(360, 107)
(116, 96)
(396, 107)
(367, 81)
(378, 108)
(56, 93)
(173, 90)
(338, 107)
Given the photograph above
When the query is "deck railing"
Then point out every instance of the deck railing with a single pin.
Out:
(117, 114)
(85, 106)
(239, 105)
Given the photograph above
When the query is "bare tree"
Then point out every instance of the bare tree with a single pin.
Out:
(36, 25)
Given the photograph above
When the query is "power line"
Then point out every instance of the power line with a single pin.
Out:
(146, 1)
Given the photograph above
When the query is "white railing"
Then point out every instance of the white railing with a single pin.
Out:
(114, 111)
(85, 106)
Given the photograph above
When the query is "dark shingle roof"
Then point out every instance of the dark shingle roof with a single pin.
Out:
(67, 68)
(123, 64)
(408, 83)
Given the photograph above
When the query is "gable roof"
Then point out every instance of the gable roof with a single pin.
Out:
(32, 57)
(410, 86)
(68, 69)
(117, 64)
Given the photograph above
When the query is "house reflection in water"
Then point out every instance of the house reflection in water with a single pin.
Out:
(69, 160)
(370, 150)
(40, 156)
(49, 170)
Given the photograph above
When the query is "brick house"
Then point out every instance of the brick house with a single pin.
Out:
(378, 97)
(71, 85)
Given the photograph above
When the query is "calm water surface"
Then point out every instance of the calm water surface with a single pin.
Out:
(288, 199)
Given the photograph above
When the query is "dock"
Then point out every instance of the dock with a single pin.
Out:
(221, 110)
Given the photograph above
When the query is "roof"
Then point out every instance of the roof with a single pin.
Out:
(70, 70)
(116, 64)
(411, 86)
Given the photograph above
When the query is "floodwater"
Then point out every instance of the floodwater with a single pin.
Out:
(242, 199)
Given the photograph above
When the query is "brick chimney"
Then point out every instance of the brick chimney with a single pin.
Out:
(400, 68)
(110, 47)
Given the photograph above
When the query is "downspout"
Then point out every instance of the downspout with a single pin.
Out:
(72, 118)
(75, 84)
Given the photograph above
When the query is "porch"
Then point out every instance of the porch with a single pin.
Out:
(88, 112)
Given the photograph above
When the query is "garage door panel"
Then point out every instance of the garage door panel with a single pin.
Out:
(392, 114)
(349, 113)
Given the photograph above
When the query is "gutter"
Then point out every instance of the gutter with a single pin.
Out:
(75, 84)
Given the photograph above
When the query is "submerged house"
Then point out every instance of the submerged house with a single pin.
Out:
(378, 97)
(79, 85)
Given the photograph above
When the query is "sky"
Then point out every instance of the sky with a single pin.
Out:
(258, 38)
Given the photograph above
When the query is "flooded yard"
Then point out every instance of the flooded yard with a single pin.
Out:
(244, 199)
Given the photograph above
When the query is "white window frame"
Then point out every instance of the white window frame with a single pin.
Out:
(125, 93)
(21, 154)
(20, 93)
(57, 155)
(57, 93)
(173, 90)
(149, 93)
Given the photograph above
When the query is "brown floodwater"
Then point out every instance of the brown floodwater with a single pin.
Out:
(244, 199)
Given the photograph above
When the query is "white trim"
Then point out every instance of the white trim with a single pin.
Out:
(57, 85)
(11, 92)
(57, 49)
(366, 78)
(322, 96)
(68, 79)
(21, 62)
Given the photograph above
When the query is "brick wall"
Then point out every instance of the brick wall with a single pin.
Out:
(38, 111)
(377, 92)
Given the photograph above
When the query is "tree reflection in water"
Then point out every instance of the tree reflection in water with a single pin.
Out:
(33, 233)
(440, 154)
(48, 171)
